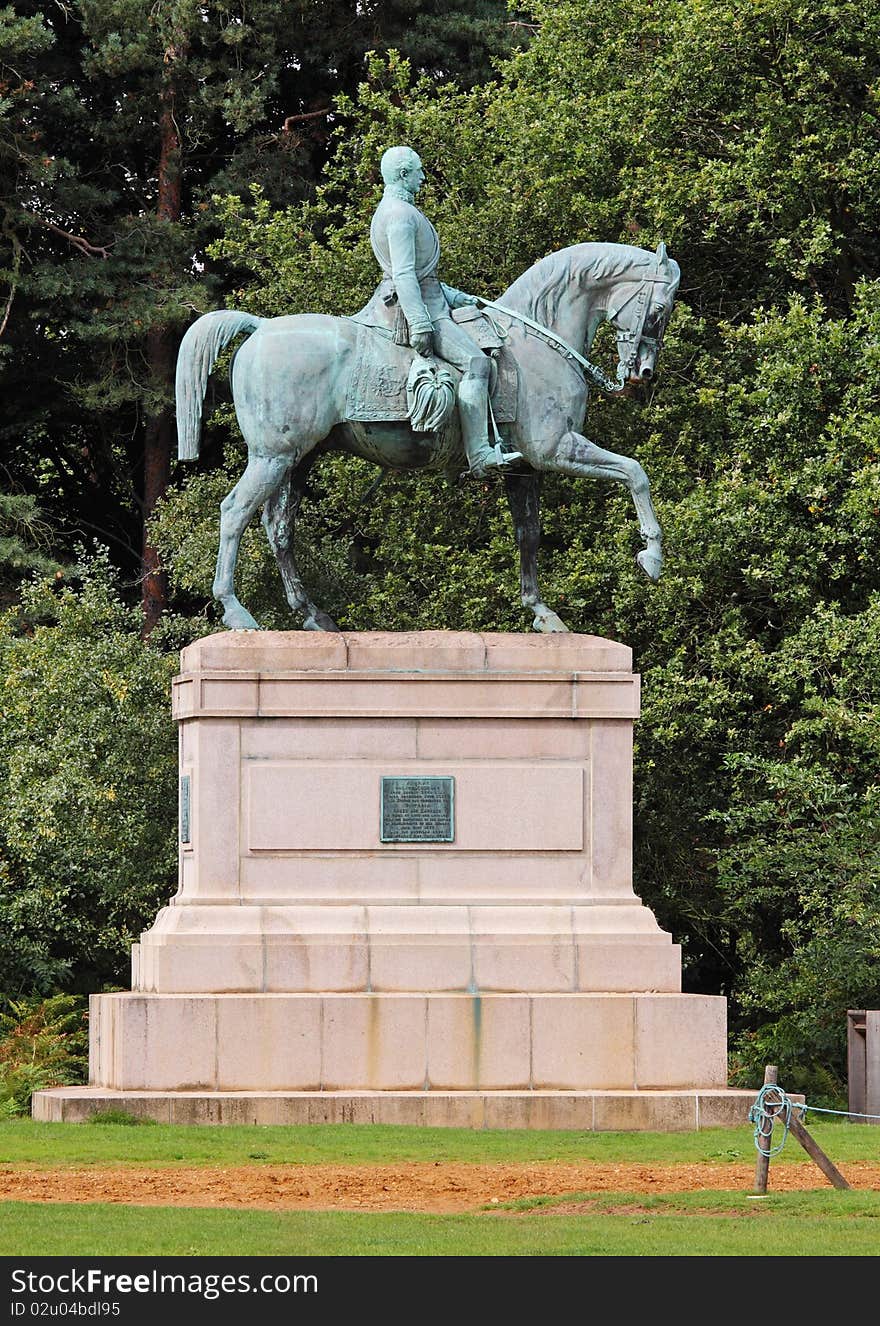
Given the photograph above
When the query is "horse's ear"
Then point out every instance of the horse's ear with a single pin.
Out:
(662, 259)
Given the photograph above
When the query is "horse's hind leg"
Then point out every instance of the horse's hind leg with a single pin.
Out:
(579, 456)
(260, 479)
(524, 500)
(279, 519)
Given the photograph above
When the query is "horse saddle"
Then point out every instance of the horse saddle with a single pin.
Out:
(392, 384)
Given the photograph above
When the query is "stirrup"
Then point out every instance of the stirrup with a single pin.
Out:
(493, 458)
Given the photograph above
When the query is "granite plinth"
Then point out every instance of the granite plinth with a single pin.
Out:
(585, 1111)
(285, 883)
(304, 955)
(334, 1042)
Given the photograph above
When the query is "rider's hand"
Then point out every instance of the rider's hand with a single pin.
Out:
(422, 342)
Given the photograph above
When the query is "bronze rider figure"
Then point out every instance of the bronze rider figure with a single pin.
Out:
(416, 305)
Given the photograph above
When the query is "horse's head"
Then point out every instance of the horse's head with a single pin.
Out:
(639, 309)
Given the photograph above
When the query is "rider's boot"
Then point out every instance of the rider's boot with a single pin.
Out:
(473, 408)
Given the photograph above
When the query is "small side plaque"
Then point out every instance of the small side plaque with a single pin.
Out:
(418, 810)
(184, 808)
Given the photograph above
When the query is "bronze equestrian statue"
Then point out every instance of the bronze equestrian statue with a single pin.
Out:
(384, 384)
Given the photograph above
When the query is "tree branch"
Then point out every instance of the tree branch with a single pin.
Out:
(78, 241)
(304, 115)
(16, 267)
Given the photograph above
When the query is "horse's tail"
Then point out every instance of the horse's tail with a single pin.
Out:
(197, 356)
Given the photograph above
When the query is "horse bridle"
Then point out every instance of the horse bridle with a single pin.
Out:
(631, 339)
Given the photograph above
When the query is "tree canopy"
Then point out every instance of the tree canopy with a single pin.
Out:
(118, 119)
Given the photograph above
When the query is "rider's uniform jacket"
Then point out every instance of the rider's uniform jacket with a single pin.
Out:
(407, 249)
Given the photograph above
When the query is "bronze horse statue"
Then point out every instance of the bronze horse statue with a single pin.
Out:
(292, 389)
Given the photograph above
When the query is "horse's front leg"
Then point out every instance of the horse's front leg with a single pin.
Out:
(279, 520)
(579, 456)
(260, 479)
(524, 500)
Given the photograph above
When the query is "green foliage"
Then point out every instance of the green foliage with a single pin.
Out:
(24, 540)
(118, 119)
(800, 859)
(87, 785)
(43, 1043)
(757, 164)
(756, 161)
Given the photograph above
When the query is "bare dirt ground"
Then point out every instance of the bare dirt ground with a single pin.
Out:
(427, 1187)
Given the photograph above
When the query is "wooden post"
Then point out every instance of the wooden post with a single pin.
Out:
(815, 1152)
(762, 1164)
(856, 1062)
(872, 1063)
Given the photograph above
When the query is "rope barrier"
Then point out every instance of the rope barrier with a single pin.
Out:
(844, 1114)
(774, 1105)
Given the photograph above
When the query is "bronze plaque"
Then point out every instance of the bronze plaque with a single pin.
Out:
(418, 810)
(185, 808)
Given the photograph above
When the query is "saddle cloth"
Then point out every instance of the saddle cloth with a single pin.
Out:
(377, 388)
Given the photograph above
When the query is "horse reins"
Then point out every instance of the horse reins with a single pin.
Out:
(632, 340)
(598, 376)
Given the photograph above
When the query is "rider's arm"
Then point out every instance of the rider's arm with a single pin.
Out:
(402, 252)
(456, 298)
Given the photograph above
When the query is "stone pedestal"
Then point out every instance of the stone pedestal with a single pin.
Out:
(406, 895)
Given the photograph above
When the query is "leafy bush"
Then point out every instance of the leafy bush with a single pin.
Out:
(43, 1043)
(87, 785)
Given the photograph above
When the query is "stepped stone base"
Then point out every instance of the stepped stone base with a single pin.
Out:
(613, 946)
(407, 1042)
(584, 1111)
(406, 896)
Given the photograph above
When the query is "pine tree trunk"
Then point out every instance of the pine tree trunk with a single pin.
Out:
(158, 441)
(159, 428)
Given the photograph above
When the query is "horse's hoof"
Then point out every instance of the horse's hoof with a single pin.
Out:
(319, 621)
(548, 623)
(239, 619)
(651, 564)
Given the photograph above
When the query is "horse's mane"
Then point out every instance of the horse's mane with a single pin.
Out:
(540, 288)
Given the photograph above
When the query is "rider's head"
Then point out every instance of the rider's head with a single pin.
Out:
(401, 165)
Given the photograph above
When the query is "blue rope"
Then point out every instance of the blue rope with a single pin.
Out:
(844, 1114)
(774, 1106)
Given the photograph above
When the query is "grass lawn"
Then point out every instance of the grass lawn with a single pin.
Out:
(51, 1145)
(704, 1224)
(816, 1223)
